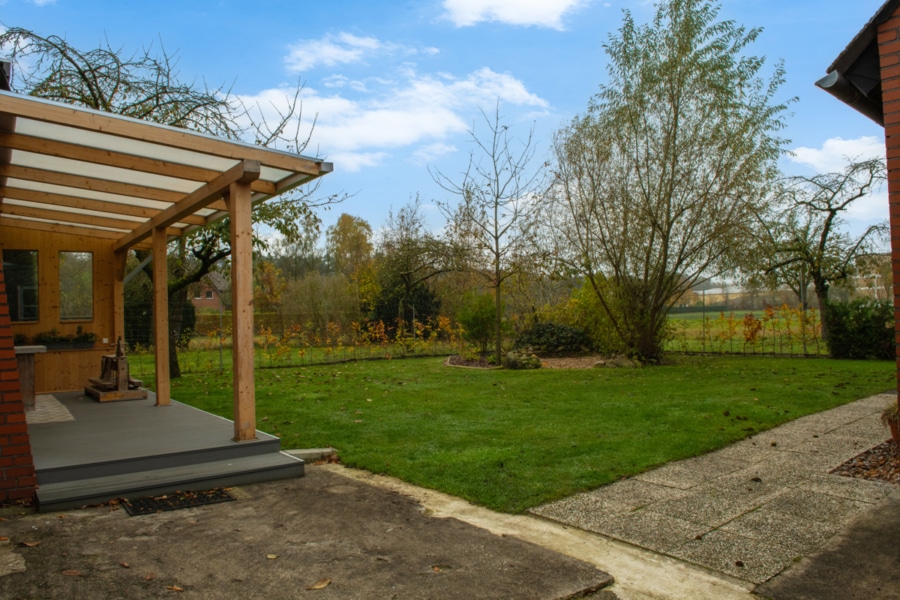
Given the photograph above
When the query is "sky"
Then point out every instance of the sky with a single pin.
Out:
(397, 87)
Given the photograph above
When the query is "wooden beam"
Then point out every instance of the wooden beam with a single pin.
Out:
(245, 171)
(98, 156)
(161, 317)
(89, 183)
(18, 141)
(64, 217)
(239, 208)
(118, 208)
(70, 116)
(59, 228)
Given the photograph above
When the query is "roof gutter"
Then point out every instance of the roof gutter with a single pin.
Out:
(841, 88)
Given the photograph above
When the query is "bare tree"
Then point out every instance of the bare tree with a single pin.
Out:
(497, 208)
(657, 184)
(803, 235)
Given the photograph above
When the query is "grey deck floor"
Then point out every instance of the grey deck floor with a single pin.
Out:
(116, 431)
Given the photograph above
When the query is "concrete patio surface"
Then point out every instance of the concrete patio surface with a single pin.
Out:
(750, 510)
(323, 536)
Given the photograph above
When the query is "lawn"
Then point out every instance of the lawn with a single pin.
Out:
(510, 440)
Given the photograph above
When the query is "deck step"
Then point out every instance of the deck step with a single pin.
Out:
(193, 477)
(226, 451)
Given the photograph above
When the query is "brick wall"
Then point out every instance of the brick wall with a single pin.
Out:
(17, 478)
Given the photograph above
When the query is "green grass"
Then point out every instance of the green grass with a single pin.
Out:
(510, 440)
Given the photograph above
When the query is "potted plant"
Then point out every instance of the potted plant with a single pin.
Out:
(890, 416)
(54, 340)
(83, 340)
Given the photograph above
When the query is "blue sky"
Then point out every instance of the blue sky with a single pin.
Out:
(396, 86)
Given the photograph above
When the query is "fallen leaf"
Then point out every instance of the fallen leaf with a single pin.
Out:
(320, 584)
(124, 565)
(30, 544)
(271, 556)
(149, 576)
(174, 588)
(72, 573)
(3, 538)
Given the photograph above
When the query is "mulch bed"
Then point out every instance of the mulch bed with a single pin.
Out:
(881, 462)
(154, 504)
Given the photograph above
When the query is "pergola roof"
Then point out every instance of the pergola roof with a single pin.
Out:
(73, 170)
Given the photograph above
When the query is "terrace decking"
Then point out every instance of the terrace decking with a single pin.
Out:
(87, 452)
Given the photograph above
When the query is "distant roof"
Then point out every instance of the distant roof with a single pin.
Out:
(86, 172)
(855, 75)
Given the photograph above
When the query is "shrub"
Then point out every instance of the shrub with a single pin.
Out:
(520, 360)
(477, 317)
(554, 339)
(862, 329)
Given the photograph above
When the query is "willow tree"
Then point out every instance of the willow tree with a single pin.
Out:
(657, 184)
(146, 85)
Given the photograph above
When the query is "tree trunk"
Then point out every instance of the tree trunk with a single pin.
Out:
(177, 300)
(822, 295)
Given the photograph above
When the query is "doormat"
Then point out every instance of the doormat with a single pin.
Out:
(153, 504)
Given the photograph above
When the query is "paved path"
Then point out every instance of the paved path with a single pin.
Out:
(749, 510)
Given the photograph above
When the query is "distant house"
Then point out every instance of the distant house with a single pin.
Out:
(212, 293)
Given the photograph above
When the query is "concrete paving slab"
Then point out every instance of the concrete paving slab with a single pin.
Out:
(748, 450)
(709, 509)
(649, 529)
(739, 556)
(795, 534)
(817, 507)
(861, 563)
(631, 494)
(689, 473)
(862, 490)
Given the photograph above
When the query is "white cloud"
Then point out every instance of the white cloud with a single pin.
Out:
(427, 154)
(542, 13)
(835, 153)
(420, 110)
(344, 48)
(331, 50)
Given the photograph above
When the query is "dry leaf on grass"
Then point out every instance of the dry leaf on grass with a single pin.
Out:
(124, 565)
(320, 584)
(72, 573)
(271, 556)
(149, 576)
(30, 544)
(174, 588)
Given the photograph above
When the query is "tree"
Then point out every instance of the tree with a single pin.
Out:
(803, 237)
(146, 85)
(408, 256)
(497, 209)
(657, 183)
(349, 246)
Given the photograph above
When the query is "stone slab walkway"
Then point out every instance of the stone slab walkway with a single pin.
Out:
(749, 510)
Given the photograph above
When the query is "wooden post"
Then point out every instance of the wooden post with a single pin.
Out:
(239, 205)
(161, 316)
(119, 295)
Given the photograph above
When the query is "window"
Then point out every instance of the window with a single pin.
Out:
(76, 286)
(209, 295)
(20, 269)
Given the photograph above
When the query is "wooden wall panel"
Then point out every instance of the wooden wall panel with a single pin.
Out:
(70, 369)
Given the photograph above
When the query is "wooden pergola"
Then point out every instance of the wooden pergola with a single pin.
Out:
(134, 184)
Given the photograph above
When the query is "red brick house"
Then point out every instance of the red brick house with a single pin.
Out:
(212, 293)
(866, 76)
